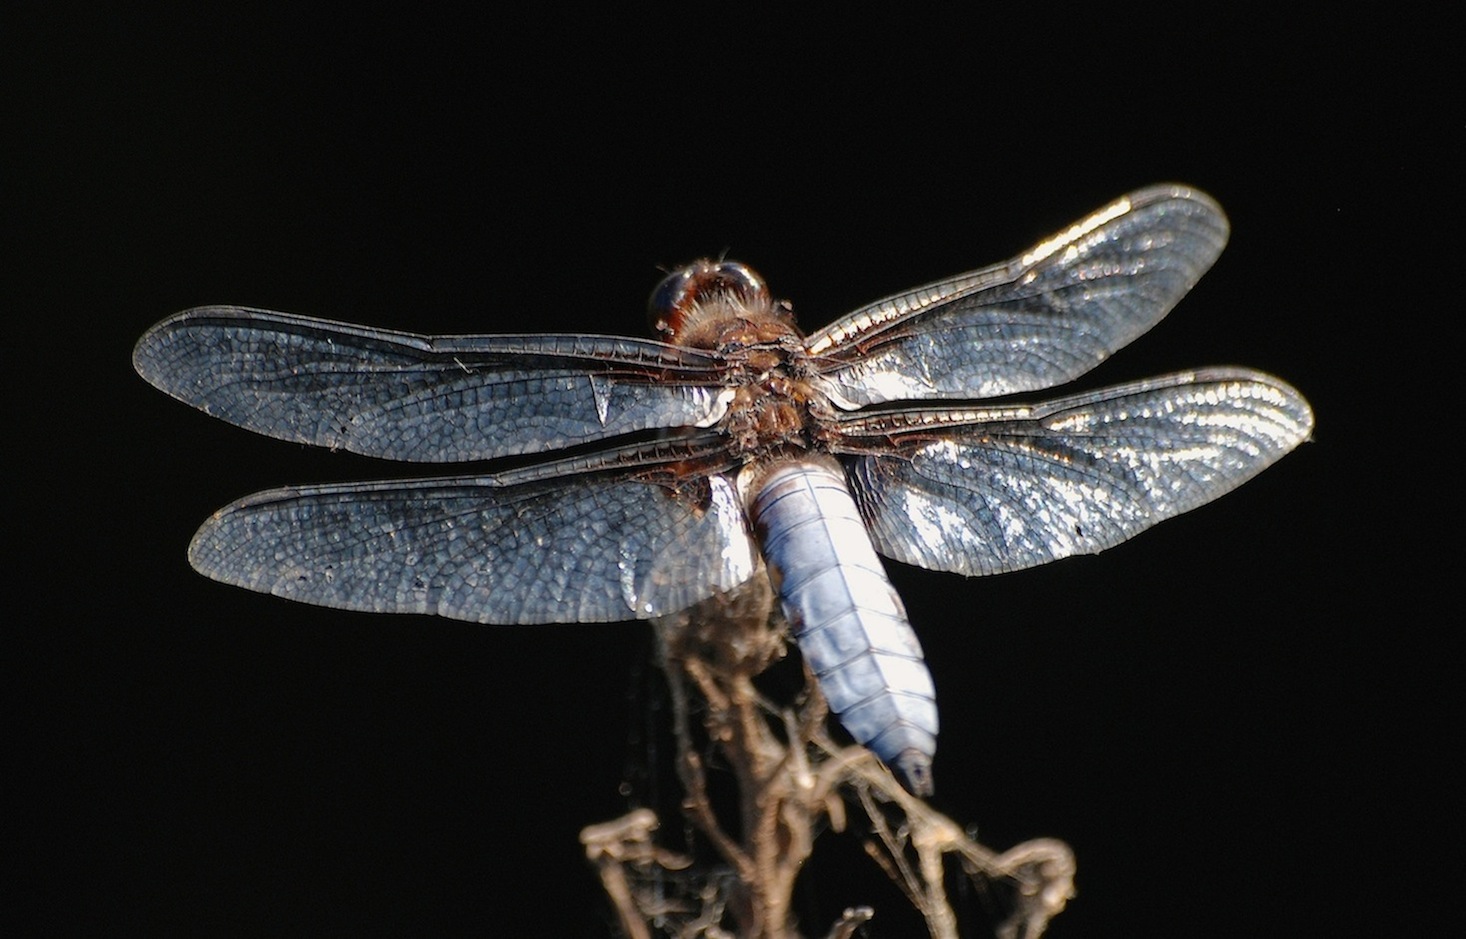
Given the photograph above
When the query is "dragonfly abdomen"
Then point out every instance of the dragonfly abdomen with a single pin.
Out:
(847, 618)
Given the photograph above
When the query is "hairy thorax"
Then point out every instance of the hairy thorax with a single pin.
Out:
(774, 409)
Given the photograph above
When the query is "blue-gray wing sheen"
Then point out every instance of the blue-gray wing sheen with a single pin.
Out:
(1041, 319)
(979, 491)
(548, 544)
(401, 396)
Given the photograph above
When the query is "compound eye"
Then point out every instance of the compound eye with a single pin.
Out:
(674, 303)
(702, 289)
(669, 301)
(736, 277)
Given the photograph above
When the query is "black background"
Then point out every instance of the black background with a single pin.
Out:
(1237, 720)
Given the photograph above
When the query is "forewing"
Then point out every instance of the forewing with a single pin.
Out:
(998, 489)
(1043, 318)
(545, 545)
(402, 396)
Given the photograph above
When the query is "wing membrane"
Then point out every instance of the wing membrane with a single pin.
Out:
(996, 489)
(402, 396)
(1043, 318)
(552, 543)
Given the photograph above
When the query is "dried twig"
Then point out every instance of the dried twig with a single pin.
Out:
(792, 780)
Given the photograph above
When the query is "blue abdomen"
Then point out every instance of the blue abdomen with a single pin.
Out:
(847, 618)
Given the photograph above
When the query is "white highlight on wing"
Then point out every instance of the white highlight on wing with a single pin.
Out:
(1067, 238)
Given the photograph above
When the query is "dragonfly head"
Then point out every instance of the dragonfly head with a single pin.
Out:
(692, 301)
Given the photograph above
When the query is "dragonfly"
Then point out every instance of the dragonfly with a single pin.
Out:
(734, 446)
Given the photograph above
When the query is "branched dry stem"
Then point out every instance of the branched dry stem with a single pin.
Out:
(792, 780)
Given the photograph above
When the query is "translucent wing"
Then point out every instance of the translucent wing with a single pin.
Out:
(402, 396)
(979, 491)
(1041, 319)
(575, 541)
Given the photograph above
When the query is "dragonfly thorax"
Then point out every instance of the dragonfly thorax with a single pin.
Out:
(774, 410)
(725, 307)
